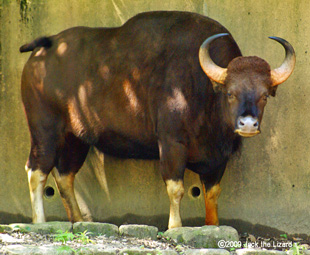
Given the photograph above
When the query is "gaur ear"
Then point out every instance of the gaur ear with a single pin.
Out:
(217, 87)
(273, 90)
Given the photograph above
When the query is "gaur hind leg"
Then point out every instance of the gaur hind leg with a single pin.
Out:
(212, 191)
(36, 180)
(172, 166)
(70, 161)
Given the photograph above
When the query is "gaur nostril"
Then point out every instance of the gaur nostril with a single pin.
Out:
(248, 124)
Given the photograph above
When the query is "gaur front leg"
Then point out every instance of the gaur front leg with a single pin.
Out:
(70, 160)
(172, 166)
(175, 190)
(65, 185)
(212, 190)
(211, 196)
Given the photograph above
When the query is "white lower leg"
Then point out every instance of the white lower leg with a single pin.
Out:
(36, 180)
(175, 191)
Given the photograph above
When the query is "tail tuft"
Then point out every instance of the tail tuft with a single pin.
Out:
(45, 42)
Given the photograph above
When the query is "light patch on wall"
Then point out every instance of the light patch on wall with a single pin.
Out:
(98, 161)
(274, 140)
(132, 97)
(87, 216)
(119, 11)
(177, 102)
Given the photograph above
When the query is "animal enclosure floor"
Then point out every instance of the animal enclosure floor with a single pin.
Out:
(17, 241)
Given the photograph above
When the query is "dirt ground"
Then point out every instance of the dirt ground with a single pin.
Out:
(282, 243)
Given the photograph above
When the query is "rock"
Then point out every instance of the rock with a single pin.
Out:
(96, 249)
(206, 252)
(55, 250)
(259, 252)
(34, 250)
(43, 228)
(96, 228)
(252, 238)
(5, 238)
(203, 237)
(134, 251)
(139, 231)
(5, 228)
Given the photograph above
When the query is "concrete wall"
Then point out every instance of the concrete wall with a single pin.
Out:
(267, 186)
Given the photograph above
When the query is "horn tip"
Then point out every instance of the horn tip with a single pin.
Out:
(213, 37)
(278, 39)
(222, 34)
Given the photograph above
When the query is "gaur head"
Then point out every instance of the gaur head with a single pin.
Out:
(246, 84)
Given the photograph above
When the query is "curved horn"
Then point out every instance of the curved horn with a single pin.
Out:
(213, 71)
(282, 73)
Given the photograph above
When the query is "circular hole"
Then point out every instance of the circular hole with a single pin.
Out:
(195, 192)
(49, 192)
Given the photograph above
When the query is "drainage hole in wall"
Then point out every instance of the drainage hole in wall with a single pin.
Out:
(49, 192)
(195, 192)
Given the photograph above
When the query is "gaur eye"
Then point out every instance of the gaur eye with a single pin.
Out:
(230, 95)
(265, 97)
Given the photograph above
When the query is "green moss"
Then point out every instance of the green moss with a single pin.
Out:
(24, 8)
(5, 228)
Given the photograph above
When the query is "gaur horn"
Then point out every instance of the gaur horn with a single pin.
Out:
(212, 70)
(282, 73)
(218, 74)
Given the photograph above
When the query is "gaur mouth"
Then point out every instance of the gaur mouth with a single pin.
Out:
(246, 134)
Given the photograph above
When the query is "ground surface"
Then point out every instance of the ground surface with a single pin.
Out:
(106, 243)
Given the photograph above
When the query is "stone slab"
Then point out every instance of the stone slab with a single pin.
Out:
(96, 228)
(202, 237)
(43, 228)
(139, 231)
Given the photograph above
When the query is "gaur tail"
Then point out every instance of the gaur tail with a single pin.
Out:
(45, 42)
